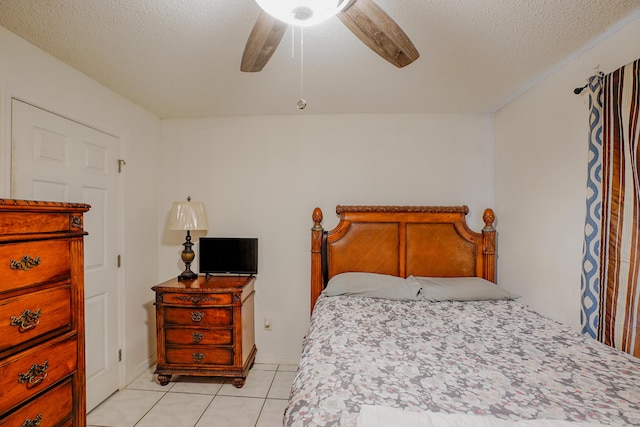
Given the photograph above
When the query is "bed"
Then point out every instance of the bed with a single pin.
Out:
(440, 358)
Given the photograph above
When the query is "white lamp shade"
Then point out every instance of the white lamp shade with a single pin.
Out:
(188, 216)
(302, 13)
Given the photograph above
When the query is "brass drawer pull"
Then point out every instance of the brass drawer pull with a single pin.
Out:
(197, 316)
(198, 357)
(24, 264)
(197, 337)
(34, 422)
(195, 299)
(27, 320)
(35, 375)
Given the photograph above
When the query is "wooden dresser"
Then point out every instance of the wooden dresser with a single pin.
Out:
(42, 359)
(205, 327)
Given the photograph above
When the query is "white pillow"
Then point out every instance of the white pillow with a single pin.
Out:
(459, 289)
(372, 285)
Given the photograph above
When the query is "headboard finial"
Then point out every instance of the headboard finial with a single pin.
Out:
(317, 219)
(317, 282)
(488, 217)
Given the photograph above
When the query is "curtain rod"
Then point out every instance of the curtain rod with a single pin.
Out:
(598, 73)
(579, 90)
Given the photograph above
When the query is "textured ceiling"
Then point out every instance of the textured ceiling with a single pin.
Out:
(180, 58)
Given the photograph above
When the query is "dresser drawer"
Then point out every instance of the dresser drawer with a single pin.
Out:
(49, 410)
(31, 315)
(198, 316)
(33, 222)
(198, 336)
(199, 356)
(30, 372)
(197, 299)
(29, 263)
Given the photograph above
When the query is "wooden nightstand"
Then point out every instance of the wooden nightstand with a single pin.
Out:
(205, 327)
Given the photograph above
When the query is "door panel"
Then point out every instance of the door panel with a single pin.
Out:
(95, 254)
(54, 158)
(45, 190)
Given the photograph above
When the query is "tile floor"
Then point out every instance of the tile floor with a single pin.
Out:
(199, 401)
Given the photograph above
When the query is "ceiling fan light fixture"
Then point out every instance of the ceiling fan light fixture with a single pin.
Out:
(303, 13)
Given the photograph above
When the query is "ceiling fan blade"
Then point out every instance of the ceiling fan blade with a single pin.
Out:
(367, 21)
(263, 41)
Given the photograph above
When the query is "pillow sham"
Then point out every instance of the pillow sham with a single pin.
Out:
(459, 289)
(372, 285)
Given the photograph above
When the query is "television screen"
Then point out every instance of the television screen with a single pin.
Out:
(228, 255)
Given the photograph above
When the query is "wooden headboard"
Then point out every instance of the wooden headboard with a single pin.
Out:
(401, 241)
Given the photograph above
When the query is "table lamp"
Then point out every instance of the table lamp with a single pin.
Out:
(188, 216)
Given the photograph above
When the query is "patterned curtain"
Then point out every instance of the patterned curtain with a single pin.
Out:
(590, 286)
(611, 258)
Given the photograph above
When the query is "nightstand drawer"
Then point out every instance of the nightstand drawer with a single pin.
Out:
(195, 356)
(199, 336)
(198, 316)
(34, 370)
(197, 299)
(29, 263)
(31, 315)
(48, 410)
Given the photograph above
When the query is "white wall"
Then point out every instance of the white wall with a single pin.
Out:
(263, 176)
(541, 170)
(28, 73)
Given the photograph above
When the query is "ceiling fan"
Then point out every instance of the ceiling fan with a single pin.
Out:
(364, 18)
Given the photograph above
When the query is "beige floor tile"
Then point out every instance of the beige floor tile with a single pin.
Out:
(256, 385)
(227, 411)
(176, 410)
(272, 413)
(281, 386)
(265, 366)
(200, 385)
(124, 408)
(149, 381)
(199, 401)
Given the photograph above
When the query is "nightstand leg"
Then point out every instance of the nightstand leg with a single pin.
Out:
(238, 382)
(164, 379)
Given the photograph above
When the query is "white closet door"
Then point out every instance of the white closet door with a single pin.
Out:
(57, 159)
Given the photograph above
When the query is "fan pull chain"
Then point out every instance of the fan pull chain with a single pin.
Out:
(302, 104)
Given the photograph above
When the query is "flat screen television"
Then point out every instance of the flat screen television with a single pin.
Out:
(221, 255)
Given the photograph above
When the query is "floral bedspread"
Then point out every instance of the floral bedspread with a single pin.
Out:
(480, 357)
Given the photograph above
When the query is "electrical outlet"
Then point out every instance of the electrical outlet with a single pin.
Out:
(267, 324)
